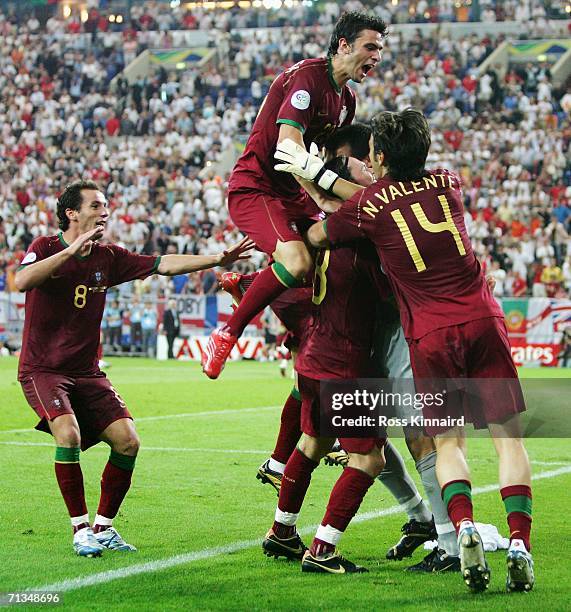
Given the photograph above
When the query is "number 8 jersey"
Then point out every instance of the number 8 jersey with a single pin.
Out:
(63, 315)
(418, 230)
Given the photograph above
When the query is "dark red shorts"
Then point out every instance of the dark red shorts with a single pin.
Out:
(92, 399)
(309, 389)
(266, 218)
(476, 350)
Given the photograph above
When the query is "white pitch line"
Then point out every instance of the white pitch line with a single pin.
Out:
(80, 582)
(164, 417)
(232, 451)
(170, 449)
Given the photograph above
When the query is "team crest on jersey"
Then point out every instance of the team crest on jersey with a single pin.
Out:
(342, 115)
(98, 280)
(300, 99)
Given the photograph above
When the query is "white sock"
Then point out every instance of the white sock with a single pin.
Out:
(328, 534)
(517, 544)
(276, 466)
(102, 520)
(79, 520)
(286, 518)
(465, 524)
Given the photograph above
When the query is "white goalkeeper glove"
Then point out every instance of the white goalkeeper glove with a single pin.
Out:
(306, 165)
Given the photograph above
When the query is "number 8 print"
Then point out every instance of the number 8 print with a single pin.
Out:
(80, 298)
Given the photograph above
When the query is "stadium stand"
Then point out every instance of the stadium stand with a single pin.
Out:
(161, 142)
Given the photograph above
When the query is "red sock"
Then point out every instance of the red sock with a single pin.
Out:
(262, 292)
(70, 481)
(290, 431)
(247, 280)
(115, 483)
(295, 482)
(346, 497)
(319, 548)
(283, 531)
(457, 497)
(517, 499)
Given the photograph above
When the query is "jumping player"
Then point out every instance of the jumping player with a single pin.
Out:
(306, 103)
(66, 278)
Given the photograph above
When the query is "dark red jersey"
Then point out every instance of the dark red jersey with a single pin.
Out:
(419, 232)
(305, 96)
(63, 315)
(347, 287)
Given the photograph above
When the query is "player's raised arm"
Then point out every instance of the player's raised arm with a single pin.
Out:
(296, 160)
(290, 132)
(34, 274)
(184, 264)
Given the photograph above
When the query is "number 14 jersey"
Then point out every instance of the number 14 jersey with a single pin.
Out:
(418, 230)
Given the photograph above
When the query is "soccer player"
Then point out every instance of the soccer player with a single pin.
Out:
(306, 103)
(346, 288)
(66, 278)
(454, 327)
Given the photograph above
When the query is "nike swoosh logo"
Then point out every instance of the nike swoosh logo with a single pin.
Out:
(331, 570)
(56, 276)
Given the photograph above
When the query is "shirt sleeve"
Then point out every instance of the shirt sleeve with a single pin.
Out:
(128, 266)
(300, 101)
(345, 224)
(37, 251)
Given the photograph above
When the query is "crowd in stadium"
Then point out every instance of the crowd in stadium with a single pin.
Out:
(164, 16)
(153, 145)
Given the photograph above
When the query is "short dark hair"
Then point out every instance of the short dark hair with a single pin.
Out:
(71, 198)
(340, 165)
(350, 25)
(404, 139)
(356, 135)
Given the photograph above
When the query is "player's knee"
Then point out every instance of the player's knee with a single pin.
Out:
(372, 463)
(69, 437)
(296, 260)
(419, 445)
(128, 446)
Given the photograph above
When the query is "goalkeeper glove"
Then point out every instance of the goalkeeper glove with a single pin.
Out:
(303, 164)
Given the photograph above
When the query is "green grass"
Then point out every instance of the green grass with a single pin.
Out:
(190, 500)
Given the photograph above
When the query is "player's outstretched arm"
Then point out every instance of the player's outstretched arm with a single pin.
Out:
(184, 264)
(33, 275)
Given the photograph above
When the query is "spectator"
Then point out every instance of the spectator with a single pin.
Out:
(171, 325)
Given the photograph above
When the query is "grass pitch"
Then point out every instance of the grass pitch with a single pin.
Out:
(197, 514)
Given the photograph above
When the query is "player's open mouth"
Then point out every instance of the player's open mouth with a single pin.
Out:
(367, 68)
(101, 224)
